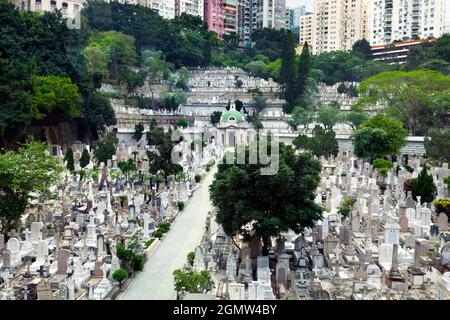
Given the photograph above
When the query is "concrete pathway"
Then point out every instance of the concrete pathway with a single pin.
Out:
(155, 282)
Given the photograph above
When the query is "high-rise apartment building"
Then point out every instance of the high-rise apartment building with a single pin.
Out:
(69, 8)
(294, 18)
(244, 20)
(259, 14)
(334, 25)
(214, 16)
(400, 20)
(230, 16)
(165, 8)
(307, 27)
(192, 7)
(268, 14)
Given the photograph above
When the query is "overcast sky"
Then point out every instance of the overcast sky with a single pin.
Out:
(310, 5)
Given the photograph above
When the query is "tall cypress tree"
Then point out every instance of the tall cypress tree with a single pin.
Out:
(287, 72)
(69, 159)
(303, 72)
(85, 158)
(424, 187)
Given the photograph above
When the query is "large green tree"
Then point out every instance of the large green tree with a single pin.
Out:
(55, 94)
(437, 145)
(161, 159)
(322, 143)
(329, 116)
(395, 133)
(301, 117)
(138, 131)
(370, 143)
(248, 205)
(105, 148)
(420, 99)
(155, 67)
(257, 69)
(116, 48)
(41, 58)
(302, 77)
(362, 48)
(27, 174)
(288, 70)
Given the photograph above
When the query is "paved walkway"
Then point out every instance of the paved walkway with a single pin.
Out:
(155, 282)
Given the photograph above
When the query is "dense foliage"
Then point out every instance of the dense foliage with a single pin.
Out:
(257, 211)
(68, 158)
(437, 145)
(191, 281)
(105, 148)
(45, 76)
(322, 143)
(378, 137)
(424, 187)
(26, 174)
(160, 159)
(419, 99)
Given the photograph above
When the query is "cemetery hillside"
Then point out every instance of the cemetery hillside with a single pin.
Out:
(224, 150)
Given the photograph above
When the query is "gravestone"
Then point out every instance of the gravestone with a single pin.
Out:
(403, 223)
(36, 231)
(344, 234)
(6, 259)
(13, 246)
(442, 222)
(410, 203)
(63, 259)
(98, 272)
(263, 270)
(41, 251)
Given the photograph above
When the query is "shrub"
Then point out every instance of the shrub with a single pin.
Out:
(382, 163)
(191, 280)
(182, 122)
(409, 169)
(119, 275)
(347, 205)
(208, 168)
(198, 178)
(442, 205)
(424, 187)
(85, 158)
(139, 262)
(164, 227)
(158, 234)
(69, 159)
(409, 184)
(180, 205)
(343, 174)
(148, 243)
(191, 257)
(447, 181)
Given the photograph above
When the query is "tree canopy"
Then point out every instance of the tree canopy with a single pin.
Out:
(419, 99)
(394, 132)
(105, 148)
(248, 205)
(24, 175)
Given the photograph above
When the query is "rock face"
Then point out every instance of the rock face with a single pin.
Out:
(60, 133)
